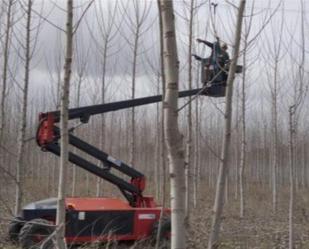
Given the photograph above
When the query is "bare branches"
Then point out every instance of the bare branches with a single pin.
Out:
(81, 17)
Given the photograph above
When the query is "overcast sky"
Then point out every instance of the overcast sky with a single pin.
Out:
(49, 51)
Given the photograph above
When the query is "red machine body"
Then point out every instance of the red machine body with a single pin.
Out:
(134, 223)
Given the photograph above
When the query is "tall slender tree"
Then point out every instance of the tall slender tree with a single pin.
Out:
(20, 170)
(81, 61)
(174, 139)
(163, 82)
(64, 140)
(224, 163)
(300, 88)
(105, 43)
(243, 151)
(161, 140)
(6, 50)
(275, 51)
(189, 164)
(136, 22)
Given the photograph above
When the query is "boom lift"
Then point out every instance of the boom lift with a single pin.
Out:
(95, 219)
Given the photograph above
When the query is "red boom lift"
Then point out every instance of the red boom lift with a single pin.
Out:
(96, 219)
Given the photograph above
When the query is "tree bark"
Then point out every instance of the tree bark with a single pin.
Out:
(23, 123)
(133, 86)
(79, 85)
(5, 69)
(74, 170)
(103, 121)
(274, 119)
(275, 139)
(162, 137)
(223, 169)
(132, 142)
(64, 140)
(173, 139)
(243, 150)
(189, 164)
(291, 174)
(161, 127)
(294, 110)
(243, 133)
(196, 170)
(158, 170)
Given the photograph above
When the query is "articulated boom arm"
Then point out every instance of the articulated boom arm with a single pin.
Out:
(83, 113)
(48, 135)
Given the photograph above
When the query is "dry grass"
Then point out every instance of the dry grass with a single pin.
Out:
(260, 229)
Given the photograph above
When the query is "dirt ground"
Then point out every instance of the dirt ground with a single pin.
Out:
(260, 229)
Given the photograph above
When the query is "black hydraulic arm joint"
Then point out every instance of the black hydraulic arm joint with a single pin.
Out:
(102, 156)
(130, 189)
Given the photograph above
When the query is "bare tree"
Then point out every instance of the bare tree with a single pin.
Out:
(223, 169)
(64, 140)
(54, 72)
(275, 51)
(6, 50)
(188, 162)
(136, 25)
(243, 151)
(243, 138)
(81, 60)
(104, 44)
(292, 133)
(23, 122)
(197, 164)
(173, 139)
(162, 126)
(162, 137)
(300, 88)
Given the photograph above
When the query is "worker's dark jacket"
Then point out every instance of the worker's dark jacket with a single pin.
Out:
(215, 51)
(216, 62)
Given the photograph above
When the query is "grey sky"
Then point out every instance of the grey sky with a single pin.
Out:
(49, 53)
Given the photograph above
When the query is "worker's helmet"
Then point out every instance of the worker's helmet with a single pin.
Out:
(224, 46)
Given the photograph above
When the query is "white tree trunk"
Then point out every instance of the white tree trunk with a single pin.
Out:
(274, 118)
(223, 169)
(103, 121)
(189, 164)
(133, 142)
(162, 134)
(275, 140)
(158, 183)
(75, 169)
(196, 173)
(5, 56)
(291, 175)
(64, 140)
(243, 135)
(173, 139)
(162, 137)
(237, 147)
(23, 121)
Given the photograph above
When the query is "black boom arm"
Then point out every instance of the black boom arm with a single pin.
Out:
(85, 112)
(48, 135)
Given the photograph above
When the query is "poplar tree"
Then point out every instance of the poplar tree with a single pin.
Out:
(173, 137)
(223, 168)
(64, 140)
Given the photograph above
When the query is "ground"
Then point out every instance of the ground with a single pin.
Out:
(261, 228)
